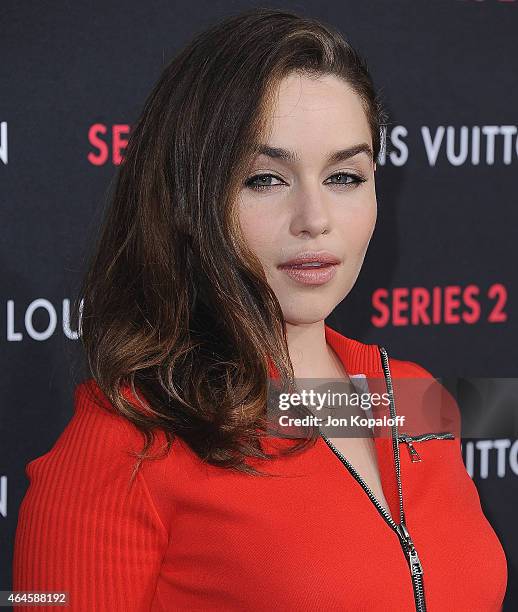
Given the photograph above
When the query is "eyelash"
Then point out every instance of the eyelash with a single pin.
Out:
(358, 180)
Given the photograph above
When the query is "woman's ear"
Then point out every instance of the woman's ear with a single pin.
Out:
(374, 166)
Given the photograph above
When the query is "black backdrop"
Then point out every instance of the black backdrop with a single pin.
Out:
(73, 78)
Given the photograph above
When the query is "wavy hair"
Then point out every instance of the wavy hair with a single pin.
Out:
(173, 303)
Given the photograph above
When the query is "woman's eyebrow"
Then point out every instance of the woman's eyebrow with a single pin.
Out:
(335, 157)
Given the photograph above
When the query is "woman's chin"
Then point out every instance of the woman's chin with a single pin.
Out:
(305, 313)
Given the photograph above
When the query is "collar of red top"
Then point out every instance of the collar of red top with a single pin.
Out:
(357, 357)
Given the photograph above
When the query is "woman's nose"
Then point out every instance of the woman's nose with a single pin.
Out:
(310, 212)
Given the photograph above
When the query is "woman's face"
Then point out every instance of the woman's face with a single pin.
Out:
(311, 202)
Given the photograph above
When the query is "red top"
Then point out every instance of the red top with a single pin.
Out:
(190, 536)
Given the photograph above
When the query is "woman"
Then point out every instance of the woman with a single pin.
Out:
(253, 159)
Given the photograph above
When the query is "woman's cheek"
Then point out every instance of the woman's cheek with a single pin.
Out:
(259, 232)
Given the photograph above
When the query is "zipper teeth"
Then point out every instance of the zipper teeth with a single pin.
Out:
(417, 580)
(395, 440)
(443, 435)
(407, 544)
(420, 593)
(395, 446)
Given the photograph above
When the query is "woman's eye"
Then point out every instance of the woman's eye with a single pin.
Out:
(262, 182)
(356, 179)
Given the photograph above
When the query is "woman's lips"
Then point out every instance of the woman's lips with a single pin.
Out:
(310, 275)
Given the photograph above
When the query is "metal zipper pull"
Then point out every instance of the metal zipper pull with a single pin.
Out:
(416, 569)
(409, 440)
(414, 455)
(415, 563)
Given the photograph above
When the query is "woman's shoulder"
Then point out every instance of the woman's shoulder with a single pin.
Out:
(420, 391)
(96, 436)
(409, 368)
(94, 459)
(83, 514)
(100, 441)
(95, 416)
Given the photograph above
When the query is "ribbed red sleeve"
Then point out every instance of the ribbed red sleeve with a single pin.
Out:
(81, 527)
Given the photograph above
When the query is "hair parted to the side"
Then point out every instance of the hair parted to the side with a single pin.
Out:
(173, 303)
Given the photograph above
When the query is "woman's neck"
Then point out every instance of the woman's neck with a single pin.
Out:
(310, 354)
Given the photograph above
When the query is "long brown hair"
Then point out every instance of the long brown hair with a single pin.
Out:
(173, 303)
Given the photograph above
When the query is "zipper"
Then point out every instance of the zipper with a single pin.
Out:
(408, 440)
(414, 563)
